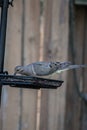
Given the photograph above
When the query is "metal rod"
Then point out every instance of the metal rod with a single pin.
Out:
(3, 24)
(4, 12)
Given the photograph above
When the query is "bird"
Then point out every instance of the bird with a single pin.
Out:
(42, 68)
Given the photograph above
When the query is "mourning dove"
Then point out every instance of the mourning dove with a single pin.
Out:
(45, 68)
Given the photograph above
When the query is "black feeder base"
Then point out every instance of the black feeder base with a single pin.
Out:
(29, 82)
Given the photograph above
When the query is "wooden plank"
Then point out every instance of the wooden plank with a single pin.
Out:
(79, 45)
(47, 22)
(10, 107)
(84, 106)
(73, 102)
(47, 37)
(57, 42)
(31, 54)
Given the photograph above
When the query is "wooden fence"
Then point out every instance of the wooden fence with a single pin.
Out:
(32, 37)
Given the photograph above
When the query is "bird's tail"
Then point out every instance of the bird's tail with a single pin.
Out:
(77, 66)
(71, 67)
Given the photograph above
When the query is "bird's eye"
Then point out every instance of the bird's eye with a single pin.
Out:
(50, 66)
(17, 69)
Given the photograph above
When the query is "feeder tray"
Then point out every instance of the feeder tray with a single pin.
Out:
(29, 82)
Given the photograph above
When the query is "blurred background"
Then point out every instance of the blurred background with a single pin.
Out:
(46, 30)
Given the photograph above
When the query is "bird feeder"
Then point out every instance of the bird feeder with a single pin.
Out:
(12, 80)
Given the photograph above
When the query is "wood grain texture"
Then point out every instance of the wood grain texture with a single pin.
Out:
(47, 39)
(60, 109)
(73, 101)
(31, 54)
(55, 49)
(19, 107)
(10, 107)
(83, 104)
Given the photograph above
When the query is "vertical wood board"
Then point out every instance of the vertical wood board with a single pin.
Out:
(31, 54)
(10, 107)
(55, 42)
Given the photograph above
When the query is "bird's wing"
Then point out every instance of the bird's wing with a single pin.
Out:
(42, 64)
(47, 68)
(44, 68)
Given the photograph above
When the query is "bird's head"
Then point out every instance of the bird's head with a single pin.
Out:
(18, 69)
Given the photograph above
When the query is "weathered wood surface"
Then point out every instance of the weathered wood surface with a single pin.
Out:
(84, 105)
(10, 107)
(31, 54)
(19, 106)
(76, 114)
(24, 109)
(55, 42)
